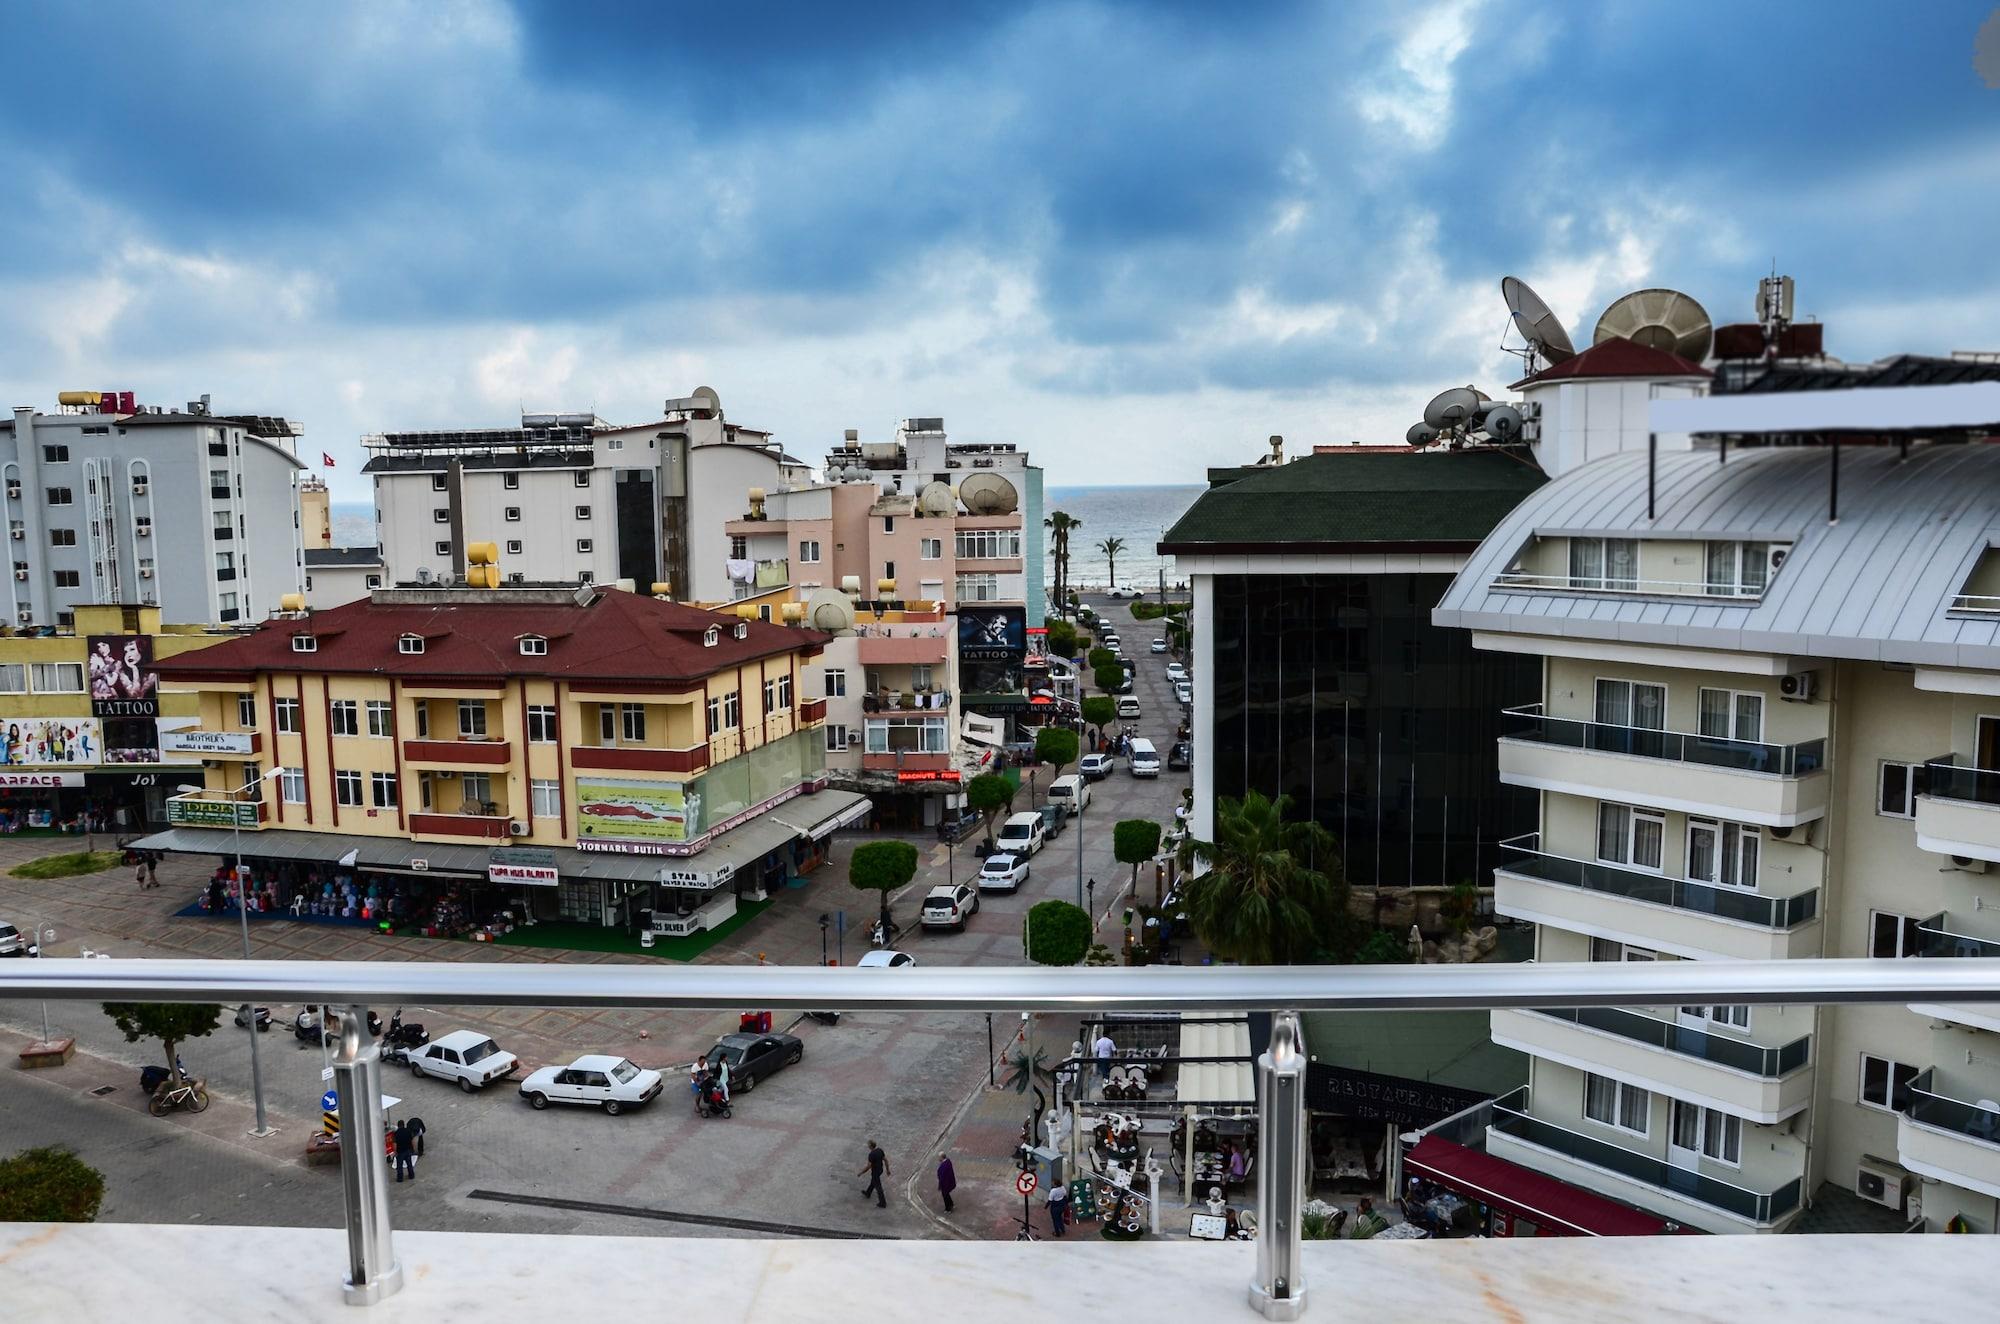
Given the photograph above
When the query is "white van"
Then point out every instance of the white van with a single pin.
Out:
(1144, 760)
(1021, 835)
(1072, 792)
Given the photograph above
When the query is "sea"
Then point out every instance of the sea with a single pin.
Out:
(1138, 515)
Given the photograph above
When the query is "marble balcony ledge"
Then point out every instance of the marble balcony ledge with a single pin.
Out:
(109, 1271)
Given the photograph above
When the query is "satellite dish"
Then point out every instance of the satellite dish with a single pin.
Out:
(1421, 434)
(1451, 408)
(423, 574)
(1503, 423)
(988, 494)
(828, 609)
(936, 499)
(1537, 324)
(1659, 319)
(708, 393)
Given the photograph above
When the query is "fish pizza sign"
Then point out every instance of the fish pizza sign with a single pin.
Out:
(643, 813)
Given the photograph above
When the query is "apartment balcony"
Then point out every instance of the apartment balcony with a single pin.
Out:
(1947, 936)
(639, 758)
(904, 701)
(1760, 1082)
(463, 752)
(490, 826)
(1684, 1194)
(906, 762)
(1958, 811)
(1743, 780)
(926, 645)
(1951, 1139)
(811, 711)
(1678, 915)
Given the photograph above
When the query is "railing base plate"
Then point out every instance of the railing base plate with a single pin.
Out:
(387, 1284)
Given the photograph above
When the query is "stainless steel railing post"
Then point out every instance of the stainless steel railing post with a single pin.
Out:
(373, 1271)
(1279, 1289)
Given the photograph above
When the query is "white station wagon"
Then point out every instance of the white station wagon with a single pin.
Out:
(597, 1080)
(466, 1056)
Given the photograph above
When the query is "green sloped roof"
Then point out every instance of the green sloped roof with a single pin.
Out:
(1335, 498)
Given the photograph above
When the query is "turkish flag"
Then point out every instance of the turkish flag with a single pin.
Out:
(325, 460)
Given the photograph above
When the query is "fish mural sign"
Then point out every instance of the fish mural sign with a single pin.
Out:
(609, 810)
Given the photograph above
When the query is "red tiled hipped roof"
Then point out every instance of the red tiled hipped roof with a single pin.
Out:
(617, 636)
(1617, 357)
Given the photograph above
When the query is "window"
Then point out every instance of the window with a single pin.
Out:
(1731, 714)
(978, 588)
(582, 479)
(146, 570)
(218, 482)
(541, 724)
(1885, 1084)
(59, 496)
(513, 514)
(1730, 1017)
(55, 455)
(888, 570)
(292, 785)
(1712, 1134)
(374, 581)
(512, 482)
(471, 717)
(907, 735)
(534, 645)
(545, 799)
(764, 611)
(225, 562)
(809, 550)
(441, 515)
(584, 545)
(1615, 1103)
(836, 683)
(381, 718)
(13, 678)
(478, 790)
(514, 547)
(732, 709)
(1614, 951)
(585, 575)
(246, 711)
(62, 537)
(836, 737)
(770, 697)
(1891, 936)
(1723, 853)
(69, 579)
(607, 723)
(1738, 569)
(410, 643)
(739, 547)
(1896, 792)
(920, 676)
(382, 787)
(632, 721)
(888, 524)
(1604, 563)
(347, 721)
(784, 692)
(741, 631)
(583, 512)
(423, 720)
(930, 549)
(227, 603)
(989, 543)
(347, 787)
(711, 636)
(288, 716)
(714, 717)
(442, 548)
(437, 482)
(1631, 703)
(1630, 836)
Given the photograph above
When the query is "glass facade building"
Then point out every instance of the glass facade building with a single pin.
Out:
(1341, 694)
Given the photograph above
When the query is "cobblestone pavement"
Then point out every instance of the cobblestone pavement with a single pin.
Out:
(788, 1156)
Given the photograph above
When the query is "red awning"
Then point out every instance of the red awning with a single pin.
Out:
(1495, 1181)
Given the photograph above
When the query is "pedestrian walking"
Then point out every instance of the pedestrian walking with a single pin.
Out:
(877, 1168)
(1104, 1048)
(406, 1152)
(722, 1078)
(947, 1180)
(1058, 1206)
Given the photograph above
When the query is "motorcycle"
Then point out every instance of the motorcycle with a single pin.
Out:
(877, 938)
(309, 1026)
(824, 1017)
(260, 1015)
(400, 1038)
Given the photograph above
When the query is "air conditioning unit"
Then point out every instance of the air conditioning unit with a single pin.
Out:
(145, 528)
(1966, 864)
(19, 533)
(21, 575)
(13, 491)
(1775, 559)
(1799, 687)
(1883, 1183)
(517, 828)
(25, 617)
(138, 487)
(145, 572)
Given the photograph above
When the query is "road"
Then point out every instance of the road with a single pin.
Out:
(787, 1160)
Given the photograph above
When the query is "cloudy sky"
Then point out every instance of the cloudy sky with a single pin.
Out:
(1134, 238)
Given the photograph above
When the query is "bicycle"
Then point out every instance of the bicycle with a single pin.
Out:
(1026, 1234)
(189, 1094)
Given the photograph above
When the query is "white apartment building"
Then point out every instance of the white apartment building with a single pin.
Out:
(1769, 728)
(109, 501)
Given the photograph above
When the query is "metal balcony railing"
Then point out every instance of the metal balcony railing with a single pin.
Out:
(348, 988)
(1689, 1041)
(1688, 1184)
(1770, 912)
(1629, 584)
(1974, 1121)
(1531, 723)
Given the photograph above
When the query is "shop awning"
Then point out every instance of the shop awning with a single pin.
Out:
(823, 813)
(1228, 1081)
(381, 854)
(1530, 1194)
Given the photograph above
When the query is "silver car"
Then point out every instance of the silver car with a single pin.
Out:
(11, 941)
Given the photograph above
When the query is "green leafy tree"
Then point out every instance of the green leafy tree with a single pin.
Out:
(1111, 547)
(882, 866)
(1056, 746)
(1273, 892)
(1109, 678)
(1062, 638)
(1100, 710)
(172, 1023)
(986, 795)
(49, 1185)
(1058, 933)
(1100, 657)
(1133, 842)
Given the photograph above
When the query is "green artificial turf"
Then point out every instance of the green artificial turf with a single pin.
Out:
(566, 935)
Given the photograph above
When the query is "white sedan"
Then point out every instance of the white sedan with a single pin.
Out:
(1003, 873)
(1122, 591)
(466, 1056)
(1176, 672)
(885, 960)
(610, 1083)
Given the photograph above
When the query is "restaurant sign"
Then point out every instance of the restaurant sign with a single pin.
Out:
(1368, 1097)
(187, 812)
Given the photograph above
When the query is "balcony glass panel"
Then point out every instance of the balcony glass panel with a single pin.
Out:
(1675, 746)
(1973, 1120)
(1771, 912)
(1936, 936)
(1722, 1050)
(1949, 779)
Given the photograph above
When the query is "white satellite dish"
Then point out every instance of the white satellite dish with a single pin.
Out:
(988, 493)
(1539, 326)
(1421, 434)
(937, 499)
(829, 609)
(1451, 408)
(1659, 319)
(1503, 423)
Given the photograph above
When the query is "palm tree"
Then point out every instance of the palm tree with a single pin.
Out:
(1111, 547)
(1060, 525)
(1273, 893)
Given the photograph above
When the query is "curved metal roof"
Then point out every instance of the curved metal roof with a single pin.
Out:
(1878, 585)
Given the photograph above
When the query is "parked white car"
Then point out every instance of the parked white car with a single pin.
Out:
(1159, 645)
(466, 1056)
(885, 959)
(1128, 707)
(1003, 873)
(596, 1080)
(1176, 672)
(1122, 591)
(949, 906)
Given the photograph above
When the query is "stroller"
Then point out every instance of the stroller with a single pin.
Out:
(708, 1100)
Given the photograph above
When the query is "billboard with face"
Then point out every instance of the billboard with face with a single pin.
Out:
(992, 634)
(120, 672)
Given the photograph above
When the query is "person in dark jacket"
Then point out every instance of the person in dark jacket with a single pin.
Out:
(947, 1180)
(877, 1169)
(406, 1152)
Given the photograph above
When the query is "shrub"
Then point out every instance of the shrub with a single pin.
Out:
(1383, 948)
(1056, 746)
(1100, 710)
(1459, 907)
(49, 1185)
(1058, 933)
(882, 866)
(1099, 658)
(1109, 677)
(987, 794)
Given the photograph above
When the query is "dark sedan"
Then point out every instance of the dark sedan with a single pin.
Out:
(1181, 757)
(754, 1057)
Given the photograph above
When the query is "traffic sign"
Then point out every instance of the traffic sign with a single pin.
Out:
(1025, 1183)
(329, 1101)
